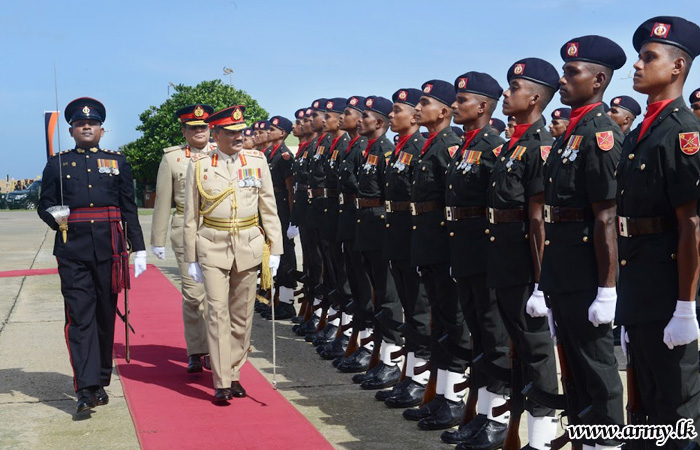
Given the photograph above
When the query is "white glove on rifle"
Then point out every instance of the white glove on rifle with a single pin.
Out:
(536, 306)
(624, 340)
(274, 264)
(292, 231)
(550, 320)
(682, 329)
(195, 272)
(602, 310)
(159, 252)
(139, 262)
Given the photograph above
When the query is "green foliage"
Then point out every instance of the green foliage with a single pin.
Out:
(161, 129)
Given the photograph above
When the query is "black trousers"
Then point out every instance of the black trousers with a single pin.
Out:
(313, 262)
(385, 295)
(590, 355)
(360, 286)
(532, 342)
(488, 334)
(416, 307)
(90, 308)
(335, 277)
(668, 379)
(288, 260)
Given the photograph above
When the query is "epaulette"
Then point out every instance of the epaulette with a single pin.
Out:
(174, 147)
(198, 156)
(62, 153)
(110, 151)
(255, 153)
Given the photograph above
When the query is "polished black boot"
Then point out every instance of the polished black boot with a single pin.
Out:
(362, 377)
(411, 395)
(426, 410)
(357, 362)
(490, 437)
(86, 400)
(396, 390)
(283, 311)
(384, 377)
(194, 364)
(325, 336)
(448, 415)
(337, 348)
(465, 432)
(101, 397)
(309, 326)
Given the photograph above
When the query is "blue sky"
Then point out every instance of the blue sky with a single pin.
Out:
(284, 53)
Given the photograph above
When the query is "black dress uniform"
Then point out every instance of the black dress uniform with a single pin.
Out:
(98, 188)
(658, 172)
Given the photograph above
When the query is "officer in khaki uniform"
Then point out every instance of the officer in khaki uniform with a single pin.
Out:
(232, 191)
(170, 187)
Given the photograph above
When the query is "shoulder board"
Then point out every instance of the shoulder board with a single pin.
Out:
(110, 151)
(198, 156)
(174, 147)
(62, 153)
(255, 153)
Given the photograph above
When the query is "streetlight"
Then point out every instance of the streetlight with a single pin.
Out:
(229, 71)
(170, 83)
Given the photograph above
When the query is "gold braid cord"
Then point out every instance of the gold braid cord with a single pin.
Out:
(216, 199)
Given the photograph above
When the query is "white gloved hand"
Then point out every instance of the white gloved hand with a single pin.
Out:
(550, 321)
(159, 252)
(602, 310)
(624, 340)
(682, 329)
(292, 231)
(536, 306)
(195, 272)
(139, 262)
(274, 264)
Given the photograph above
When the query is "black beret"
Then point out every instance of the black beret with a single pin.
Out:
(357, 102)
(536, 70)
(379, 105)
(478, 83)
(409, 96)
(336, 105)
(85, 108)
(441, 91)
(594, 49)
(319, 104)
(299, 113)
(194, 114)
(248, 132)
(264, 125)
(695, 96)
(282, 123)
(459, 131)
(630, 104)
(561, 113)
(669, 30)
(498, 125)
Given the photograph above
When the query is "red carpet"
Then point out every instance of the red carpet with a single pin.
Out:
(27, 273)
(172, 409)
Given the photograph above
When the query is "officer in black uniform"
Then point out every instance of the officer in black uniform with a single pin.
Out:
(578, 265)
(657, 208)
(560, 120)
(516, 232)
(430, 252)
(624, 111)
(90, 246)
(498, 125)
(468, 176)
(280, 159)
(694, 101)
(397, 249)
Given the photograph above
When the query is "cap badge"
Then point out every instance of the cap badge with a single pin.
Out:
(353, 101)
(275, 121)
(300, 114)
(309, 111)
(329, 105)
(86, 110)
(519, 69)
(427, 88)
(661, 30)
(697, 94)
(616, 101)
(402, 95)
(572, 49)
(315, 104)
(198, 111)
(369, 102)
(237, 114)
(557, 113)
(462, 83)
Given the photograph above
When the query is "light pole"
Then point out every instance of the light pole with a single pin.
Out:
(229, 71)
(170, 83)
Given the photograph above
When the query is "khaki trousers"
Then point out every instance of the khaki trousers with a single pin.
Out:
(230, 301)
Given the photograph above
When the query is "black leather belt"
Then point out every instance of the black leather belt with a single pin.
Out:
(418, 208)
(559, 214)
(453, 213)
(368, 202)
(506, 215)
(392, 207)
(635, 226)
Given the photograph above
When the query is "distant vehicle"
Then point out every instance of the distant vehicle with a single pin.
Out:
(26, 198)
(3, 201)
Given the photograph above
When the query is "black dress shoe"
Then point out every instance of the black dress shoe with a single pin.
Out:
(101, 397)
(336, 348)
(490, 437)
(362, 377)
(384, 377)
(195, 364)
(325, 336)
(336, 361)
(223, 394)
(411, 395)
(264, 310)
(426, 410)
(396, 390)
(308, 327)
(297, 319)
(86, 400)
(357, 362)
(466, 431)
(206, 362)
(237, 390)
(283, 311)
(447, 416)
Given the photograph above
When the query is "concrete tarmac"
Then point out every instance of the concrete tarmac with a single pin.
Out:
(37, 399)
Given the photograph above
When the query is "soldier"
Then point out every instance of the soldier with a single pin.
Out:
(232, 190)
(397, 249)
(694, 100)
(248, 142)
(510, 127)
(90, 248)
(657, 208)
(624, 111)
(498, 125)
(578, 265)
(430, 253)
(516, 232)
(170, 187)
(560, 120)
(468, 176)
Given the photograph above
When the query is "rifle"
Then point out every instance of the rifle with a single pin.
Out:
(431, 386)
(635, 411)
(568, 387)
(516, 403)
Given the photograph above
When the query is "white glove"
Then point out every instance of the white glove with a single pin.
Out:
(550, 320)
(139, 262)
(195, 272)
(602, 310)
(536, 306)
(274, 264)
(682, 329)
(292, 231)
(159, 252)
(624, 340)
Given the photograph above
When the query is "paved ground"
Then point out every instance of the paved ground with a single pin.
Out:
(36, 394)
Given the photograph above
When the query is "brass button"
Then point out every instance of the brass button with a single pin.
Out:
(67, 176)
(546, 242)
(643, 166)
(673, 256)
(382, 216)
(450, 186)
(452, 233)
(585, 239)
(423, 168)
(89, 170)
(73, 164)
(91, 205)
(340, 210)
(560, 150)
(387, 185)
(493, 184)
(415, 227)
(414, 182)
(358, 220)
(387, 225)
(87, 156)
(503, 158)
(623, 262)
(622, 192)
(492, 239)
(526, 236)
(92, 221)
(442, 224)
(90, 186)
(487, 231)
(550, 179)
(325, 209)
(631, 156)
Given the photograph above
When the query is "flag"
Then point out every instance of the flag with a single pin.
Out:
(50, 120)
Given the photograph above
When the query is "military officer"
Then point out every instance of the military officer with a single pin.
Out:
(170, 187)
(624, 111)
(498, 125)
(694, 101)
(515, 200)
(430, 253)
(232, 191)
(578, 264)
(467, 180)
(90, 246)
(657, 201)
(560, 120)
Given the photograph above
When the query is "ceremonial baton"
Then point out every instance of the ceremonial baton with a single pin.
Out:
(126, 303)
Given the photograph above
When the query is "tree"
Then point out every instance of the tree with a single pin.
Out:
(161, 129)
